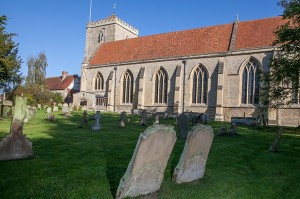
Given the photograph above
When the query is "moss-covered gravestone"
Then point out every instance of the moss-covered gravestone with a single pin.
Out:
(193, 159)
(145, 171)
(15, 145)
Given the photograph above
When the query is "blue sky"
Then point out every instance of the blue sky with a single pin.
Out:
(57, 27)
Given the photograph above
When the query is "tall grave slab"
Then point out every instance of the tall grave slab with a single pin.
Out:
(15, 145)
(193, 159)
(145, 171)
(183, 125)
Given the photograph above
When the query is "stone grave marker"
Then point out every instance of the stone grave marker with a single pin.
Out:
(202, 118)
(122, 119)
(39, 106)
(97, 125)
(16, 145)
(156, 117)
(143, 117)
(65, 109)
(183, 125)
(145, 171)
(84, 119)
(51, 117)
(193, 159)
(49, 110)
(55, 108)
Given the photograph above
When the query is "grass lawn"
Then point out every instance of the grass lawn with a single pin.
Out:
(74, 162)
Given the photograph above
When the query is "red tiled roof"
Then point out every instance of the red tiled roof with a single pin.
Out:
(214, 39)
(56, 83)
(257, 33)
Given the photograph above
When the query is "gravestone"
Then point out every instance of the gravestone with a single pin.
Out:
(145, 171)
(84, 119)
(97, 125)
(16, 145)
(143, 117)
(31, 112)
(39, 106)
(202, 118)
(122, 119)
(49, 110)
(193, 159)
(156, 117)
(55, 108)
(51, 117)
(183, 125)
(65, 109)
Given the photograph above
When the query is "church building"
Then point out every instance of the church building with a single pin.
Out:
(212, 70)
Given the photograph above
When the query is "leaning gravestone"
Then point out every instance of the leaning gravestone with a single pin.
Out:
(193, 159)
(15, 145)
(97, 125)
(145, 171)
(183, 125)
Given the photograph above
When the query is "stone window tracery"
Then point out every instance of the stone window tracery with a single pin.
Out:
(99, 82)
(127, 87)
(160, 86)
(200, 84)
(250, 83)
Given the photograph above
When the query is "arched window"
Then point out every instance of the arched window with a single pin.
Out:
(127, 87)
(250, 83)
(161, 86)
(99, 82)
(200, 83)
(100, 37)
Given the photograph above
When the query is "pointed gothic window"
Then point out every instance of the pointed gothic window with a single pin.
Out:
(161, 86)
(200, 83)
(250, 83)
(127, 87)
(99, 82)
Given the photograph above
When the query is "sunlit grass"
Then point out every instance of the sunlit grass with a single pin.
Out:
(71, 161)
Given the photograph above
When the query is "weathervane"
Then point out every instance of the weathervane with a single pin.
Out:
(114, 6)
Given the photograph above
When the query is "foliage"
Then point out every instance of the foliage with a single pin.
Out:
(57, 98)
(36, 94)
(10, 62)
(37, 69)
(71, 161)
(282, 83)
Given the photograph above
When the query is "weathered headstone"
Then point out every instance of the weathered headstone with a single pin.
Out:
(15, 145)
(183, 125)
(55, 108)
(39, 106)
(122, 119)
(193, 159)
(97, 125)
(143, 117)
(49, 110)
(145, 171)
(156, 117)
(65, 109)
(84, 119)
(202, 118)
(51, 117)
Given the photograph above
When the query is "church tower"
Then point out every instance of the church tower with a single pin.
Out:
(106, 30)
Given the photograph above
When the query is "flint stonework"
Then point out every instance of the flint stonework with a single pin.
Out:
(15, 145)
(193, 159)
(145, 171)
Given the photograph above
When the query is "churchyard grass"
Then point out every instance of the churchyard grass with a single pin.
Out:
(71, 161)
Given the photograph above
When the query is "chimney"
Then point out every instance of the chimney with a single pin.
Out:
(64, 75)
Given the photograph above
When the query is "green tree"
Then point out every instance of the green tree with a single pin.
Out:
(282, 82)
(37, 69)
(10, 62)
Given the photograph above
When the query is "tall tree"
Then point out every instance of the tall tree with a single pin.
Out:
(10, 62)
(282, 82)
(37, 69)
